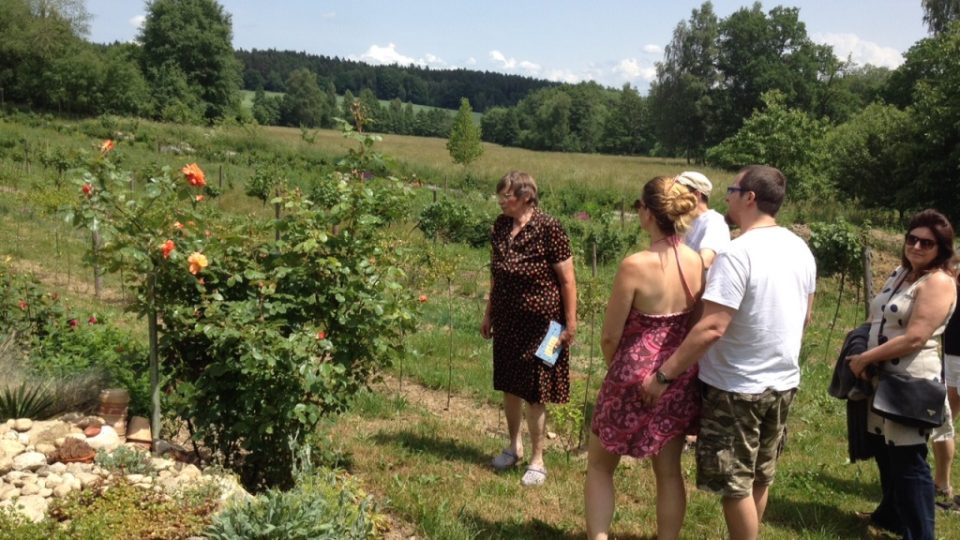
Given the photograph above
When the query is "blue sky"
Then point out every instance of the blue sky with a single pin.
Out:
(611, 42)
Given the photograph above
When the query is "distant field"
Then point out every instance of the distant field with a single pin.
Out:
(428, 156)
(247, 102)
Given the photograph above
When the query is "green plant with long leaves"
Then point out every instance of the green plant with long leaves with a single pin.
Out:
(26, 400)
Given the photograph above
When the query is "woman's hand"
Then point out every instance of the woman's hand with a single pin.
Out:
(568, 335)
(858, 366)
(486, 327)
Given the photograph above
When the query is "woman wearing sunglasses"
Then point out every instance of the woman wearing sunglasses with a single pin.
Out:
(906, 317)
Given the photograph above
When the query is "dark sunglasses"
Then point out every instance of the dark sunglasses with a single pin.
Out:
(734, 189)
(925, 243)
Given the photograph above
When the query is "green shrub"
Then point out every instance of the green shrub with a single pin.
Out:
(15, 526)
(454, 221)
(323, 507)
(837, 248)
(124, 460)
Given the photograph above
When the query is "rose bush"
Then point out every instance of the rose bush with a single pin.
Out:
(262, 326)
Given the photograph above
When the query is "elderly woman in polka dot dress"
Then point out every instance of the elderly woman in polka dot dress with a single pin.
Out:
(531, 283)
(906, 318)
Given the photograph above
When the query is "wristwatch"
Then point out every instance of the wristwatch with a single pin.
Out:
(661, 378)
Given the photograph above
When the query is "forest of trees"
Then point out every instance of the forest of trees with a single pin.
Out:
(271, 70)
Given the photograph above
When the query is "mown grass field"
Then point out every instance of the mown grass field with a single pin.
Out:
(424, 458)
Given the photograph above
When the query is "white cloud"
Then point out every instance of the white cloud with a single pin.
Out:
(137, 22)
(630, 69)
(652, 49)
(566, 76)
(861, 51)
(513, 63)
(389, 55)
(471, 61)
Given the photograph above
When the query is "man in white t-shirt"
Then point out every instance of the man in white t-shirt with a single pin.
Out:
(708, 233)
(758, 299)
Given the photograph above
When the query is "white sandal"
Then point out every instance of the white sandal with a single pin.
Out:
(534, 477)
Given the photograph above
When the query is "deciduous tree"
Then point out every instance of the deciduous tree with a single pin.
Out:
(193, 37)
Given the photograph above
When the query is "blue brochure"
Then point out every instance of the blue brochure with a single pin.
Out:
(550, 347)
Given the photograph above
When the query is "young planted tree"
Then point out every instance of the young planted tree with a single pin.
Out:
(464, 144)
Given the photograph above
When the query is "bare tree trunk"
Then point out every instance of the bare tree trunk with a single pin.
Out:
(97, 270)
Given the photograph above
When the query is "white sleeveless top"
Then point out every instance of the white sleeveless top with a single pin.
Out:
(890, 313)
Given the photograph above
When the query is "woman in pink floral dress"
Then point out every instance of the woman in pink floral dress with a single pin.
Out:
(655, 300)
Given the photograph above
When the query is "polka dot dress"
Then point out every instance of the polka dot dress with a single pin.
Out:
(525, 297)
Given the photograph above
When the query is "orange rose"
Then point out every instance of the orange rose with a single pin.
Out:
(194, 175)
(199, 198)
(167, 247)
(423, 299)
(197, 262)
(106, 146)
(87, 189)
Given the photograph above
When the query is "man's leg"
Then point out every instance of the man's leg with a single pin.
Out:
(741, 517)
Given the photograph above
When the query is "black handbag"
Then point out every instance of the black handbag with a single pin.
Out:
(910, 401)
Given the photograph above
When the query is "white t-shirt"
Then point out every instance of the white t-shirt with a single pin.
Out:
(708, 231)
(766, 275)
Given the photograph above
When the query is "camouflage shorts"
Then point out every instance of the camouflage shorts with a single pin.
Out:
(741, 437)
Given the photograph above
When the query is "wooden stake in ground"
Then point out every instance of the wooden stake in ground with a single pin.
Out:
(586, 388)
(450, 334)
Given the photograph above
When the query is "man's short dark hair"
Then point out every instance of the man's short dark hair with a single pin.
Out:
(767, 183)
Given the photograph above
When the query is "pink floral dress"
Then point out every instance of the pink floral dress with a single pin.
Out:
(623, 423)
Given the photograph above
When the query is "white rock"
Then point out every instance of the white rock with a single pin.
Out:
(23, 438)
(45, 448)
(10, 436)
(6, 464)
(53, 480)
(45, 492)
(13, 476)
(107, 439)
(32, 506)
(161, 464)
(58, 468)
(62, 490)
(29, 461)
(11, 448)
(135, 478)
(231, 490)
(9, 492)
(190, 472)
(29, 489)
(88, 479)
(22, 424)
(48, 431)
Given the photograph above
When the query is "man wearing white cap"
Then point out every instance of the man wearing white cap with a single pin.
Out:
(709, 232)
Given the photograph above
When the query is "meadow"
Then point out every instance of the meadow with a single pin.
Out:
(421, 437)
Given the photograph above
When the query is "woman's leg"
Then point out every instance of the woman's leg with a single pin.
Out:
(915, 491)
(671, 492)
(513, 410)
(598, 490)
(537, 425)
(887, 513)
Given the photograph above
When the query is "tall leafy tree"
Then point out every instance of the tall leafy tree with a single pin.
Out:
(682, 96)
(195, 38)
(464, 143)
(938, 14)
(305, 104)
